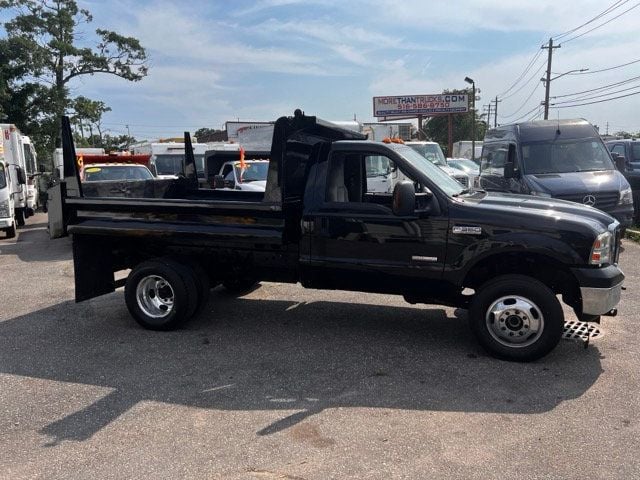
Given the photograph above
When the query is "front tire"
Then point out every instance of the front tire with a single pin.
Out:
(160, 295)
(516, 317)
(11, 231)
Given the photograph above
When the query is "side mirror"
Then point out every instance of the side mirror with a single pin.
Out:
(22, 178)
(404, 199)
(218, 181)
(619, 160)
(509, 170)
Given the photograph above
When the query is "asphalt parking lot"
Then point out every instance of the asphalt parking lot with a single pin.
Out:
(287, 383)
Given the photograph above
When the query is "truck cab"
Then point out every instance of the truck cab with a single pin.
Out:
(12, 152)
(7, 216)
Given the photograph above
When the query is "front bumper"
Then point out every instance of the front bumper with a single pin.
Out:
(622, 213)
(6, 222)
(600, 288)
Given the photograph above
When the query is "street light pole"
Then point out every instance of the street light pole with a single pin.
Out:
(473, 117)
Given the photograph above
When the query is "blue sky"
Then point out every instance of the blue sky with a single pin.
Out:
(212, 61)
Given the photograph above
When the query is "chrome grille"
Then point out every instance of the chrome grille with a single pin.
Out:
(603, 200)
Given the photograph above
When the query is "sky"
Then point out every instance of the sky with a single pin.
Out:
(215, 61)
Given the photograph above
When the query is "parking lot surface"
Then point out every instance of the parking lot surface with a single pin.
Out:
(288, 383)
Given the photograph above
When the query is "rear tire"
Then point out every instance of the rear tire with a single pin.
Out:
(160, 295)
(516, 317)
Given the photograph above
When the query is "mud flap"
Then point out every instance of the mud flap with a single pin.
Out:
(93, 267)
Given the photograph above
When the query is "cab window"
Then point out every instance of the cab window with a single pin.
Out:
(494, 157)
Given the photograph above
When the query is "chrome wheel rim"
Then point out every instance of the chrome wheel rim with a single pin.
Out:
(514, 321)
(155, 296)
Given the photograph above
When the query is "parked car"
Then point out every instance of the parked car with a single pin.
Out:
(432, 152)
(249, 175)
(101, 172)
(564, 159)
(468, 166)
(129, 180)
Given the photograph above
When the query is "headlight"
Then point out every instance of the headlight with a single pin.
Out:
(626, 197)
(4, 209)
(601, 251)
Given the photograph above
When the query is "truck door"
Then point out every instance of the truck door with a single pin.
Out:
(356, 241)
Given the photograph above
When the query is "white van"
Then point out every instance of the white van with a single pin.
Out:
(12, 155)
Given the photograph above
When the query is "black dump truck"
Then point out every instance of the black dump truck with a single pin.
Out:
(503, 257)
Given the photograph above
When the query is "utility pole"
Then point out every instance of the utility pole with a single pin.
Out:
(487, 108)
(547, 83)
(495, 120)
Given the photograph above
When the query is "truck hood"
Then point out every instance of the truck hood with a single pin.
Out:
(256, 186)
(518, 205)
(577, 182)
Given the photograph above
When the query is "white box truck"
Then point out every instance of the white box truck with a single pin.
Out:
(13, 202)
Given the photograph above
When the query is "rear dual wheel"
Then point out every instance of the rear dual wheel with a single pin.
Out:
(162, 294)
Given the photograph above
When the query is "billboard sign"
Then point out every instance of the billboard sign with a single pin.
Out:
(427, 105)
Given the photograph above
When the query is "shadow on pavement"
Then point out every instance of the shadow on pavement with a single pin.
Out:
(249, 354)
(33, 245)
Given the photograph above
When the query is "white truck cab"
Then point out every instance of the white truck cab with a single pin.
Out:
(12, 155)
(7, 209)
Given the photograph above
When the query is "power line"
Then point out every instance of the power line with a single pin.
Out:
(527, 68)
(523, 104)
(591, 97)
(606, 69)
(526, 114)
(537, 72)
(609, 9)
(600, 101)
(604, 87)
(602, 24)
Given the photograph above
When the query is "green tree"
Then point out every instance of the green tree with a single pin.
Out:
(53, 51)
(88, 114)
(437, 128)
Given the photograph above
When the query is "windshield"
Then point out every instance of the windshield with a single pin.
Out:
(446, 183)
(173, 164)
(575, 155)
(430, 151)
(117, 172)
(253, 171)
(3, 178)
